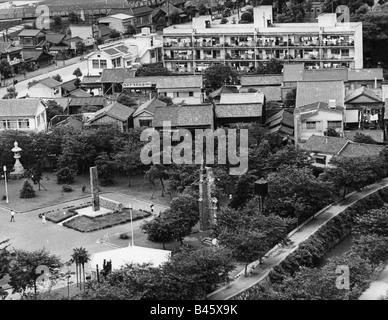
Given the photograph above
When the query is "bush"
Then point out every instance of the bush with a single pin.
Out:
(65, 176)
(246, 17)
(4, 197)
(27, 191)
(224, 21)
(67, 188)
(124, 236)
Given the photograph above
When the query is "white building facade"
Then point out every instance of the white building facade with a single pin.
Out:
(325, 44)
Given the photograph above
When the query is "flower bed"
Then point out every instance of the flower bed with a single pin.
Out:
(89, 224)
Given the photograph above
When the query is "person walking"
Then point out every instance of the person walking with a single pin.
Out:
(12, 216)
(44, 221)
(152, 208)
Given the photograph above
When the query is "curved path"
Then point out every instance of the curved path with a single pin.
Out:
(279, 253)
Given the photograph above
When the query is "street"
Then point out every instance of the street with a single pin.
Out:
(66, 73)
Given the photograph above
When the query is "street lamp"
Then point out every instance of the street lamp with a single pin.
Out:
(5, 179)
(130, 212)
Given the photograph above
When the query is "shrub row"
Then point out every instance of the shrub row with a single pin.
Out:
(311, 251)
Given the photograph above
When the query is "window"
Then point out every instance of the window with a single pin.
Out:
(24, 124)
(10, 124)
(96, 64)
(152, 54)
(335, 51)
(334, 124)
(320, 159)
(191, 94)
(145, 123)
(345, 52)
(311, 125)
(103, 64)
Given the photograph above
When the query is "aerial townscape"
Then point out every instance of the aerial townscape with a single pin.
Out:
(193, 150)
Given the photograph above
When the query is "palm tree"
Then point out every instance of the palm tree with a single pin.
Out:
(80, 256)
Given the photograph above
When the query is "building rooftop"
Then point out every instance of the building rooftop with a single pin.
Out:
(120, 16)
(55, 38)
(238, 98)
(179, 82)
(293, 72)
(308, 92)
(69, 85)
(243, 110)
(116, 110)
(29, 32)
(328, 74)
(365, 92)
(340, 146)
(19, 107)
(79, 93)
(150, 106)
(223, 90)
(184, 116)
(262, 80)
(365, 74)
(272, 93)
(116, 75)
(48, 82)
(92, 101)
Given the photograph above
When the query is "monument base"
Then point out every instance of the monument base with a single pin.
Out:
(16, 175)
(88, 211)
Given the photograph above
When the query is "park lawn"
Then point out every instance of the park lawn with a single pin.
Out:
(89, 224)
(51, 193)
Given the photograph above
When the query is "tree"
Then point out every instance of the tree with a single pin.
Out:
(5, 257)
(160, 24)
(57, 21)
(362, 138)
(354, 172)
(5, 69)
(126, 155)
(73, 17)
(77, 72)
(80, 256)
(158, 230)
(11, 93)
(105, 168)
(218, 75)
(165, 99)
(81, 48)
(247, 17)
(374, 222)
(126, 100)
(36, 174)
(157, 172)
(248, 233)
(23, 269)
(57, 78)
(131, 30)
(114, 34)
(65, 176)
(152, 69)
(373, 248)
(272, 66)
(53, 109)
(289, 102)
(295, 192)
(174, 17)
(27, 190)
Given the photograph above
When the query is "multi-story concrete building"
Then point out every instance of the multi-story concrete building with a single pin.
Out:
(324, 44)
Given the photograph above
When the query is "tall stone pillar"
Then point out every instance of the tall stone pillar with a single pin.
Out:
(94, 188)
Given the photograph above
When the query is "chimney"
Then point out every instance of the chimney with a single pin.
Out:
(375, 82)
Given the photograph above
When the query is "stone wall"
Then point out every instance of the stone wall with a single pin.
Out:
(115, 206)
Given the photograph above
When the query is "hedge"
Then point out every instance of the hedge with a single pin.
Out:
(311, 252)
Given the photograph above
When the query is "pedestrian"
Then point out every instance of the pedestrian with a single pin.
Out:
(83, 188)
(44, 219)
(12, 216)
(152, 208)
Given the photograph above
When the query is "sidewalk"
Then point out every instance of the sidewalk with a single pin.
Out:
(278, 254)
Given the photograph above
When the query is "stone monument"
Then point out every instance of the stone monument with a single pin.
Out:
(17, 168)
(94, 188)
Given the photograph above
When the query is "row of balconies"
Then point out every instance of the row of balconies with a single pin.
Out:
(262, 43)
(262, 57)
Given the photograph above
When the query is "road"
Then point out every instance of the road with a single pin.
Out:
(65, 72)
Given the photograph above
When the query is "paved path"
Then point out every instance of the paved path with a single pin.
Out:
(278, 254)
